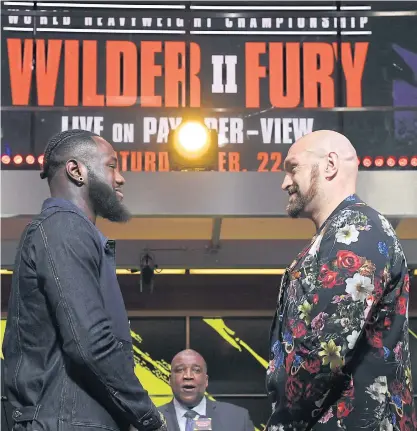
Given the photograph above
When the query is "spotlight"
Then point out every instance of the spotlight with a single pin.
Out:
(30, 160)
(367, 162)
(5, 159)
(391, 161)
(147, 272)
(18, 159)
(379, 161)
(403, 161)
(192, 146)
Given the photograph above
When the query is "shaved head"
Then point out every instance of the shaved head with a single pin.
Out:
(189, 353)
(189, 378)
(324, 142)
(321, 170)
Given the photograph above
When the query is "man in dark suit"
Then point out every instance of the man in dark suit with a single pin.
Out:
(189, 381)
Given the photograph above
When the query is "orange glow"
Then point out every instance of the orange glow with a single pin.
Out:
(18, 159)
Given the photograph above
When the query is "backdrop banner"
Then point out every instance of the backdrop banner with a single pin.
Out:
(262, 76)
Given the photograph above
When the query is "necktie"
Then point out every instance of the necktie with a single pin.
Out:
(190, 415)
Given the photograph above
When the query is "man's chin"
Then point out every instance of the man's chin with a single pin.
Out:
(117, 213)
(118, 218)
(294, 212)
(107, 203)
(190, 401)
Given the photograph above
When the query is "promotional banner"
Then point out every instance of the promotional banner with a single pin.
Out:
(262, 76)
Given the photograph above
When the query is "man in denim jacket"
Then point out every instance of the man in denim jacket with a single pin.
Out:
(67, 346)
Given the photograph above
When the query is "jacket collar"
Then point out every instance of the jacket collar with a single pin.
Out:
(170, 416)
(201, 408)
(69, 206)
(347, 202)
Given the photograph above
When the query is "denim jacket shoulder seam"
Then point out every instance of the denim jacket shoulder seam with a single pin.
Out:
(97, 238)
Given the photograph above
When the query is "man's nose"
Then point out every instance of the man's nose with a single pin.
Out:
(188, 374)
(286, 183)
(120, 180)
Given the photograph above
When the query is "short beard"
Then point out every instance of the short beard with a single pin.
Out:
(298, 205)
(105, 201)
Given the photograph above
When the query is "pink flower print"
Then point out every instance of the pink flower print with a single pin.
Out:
(318, 322)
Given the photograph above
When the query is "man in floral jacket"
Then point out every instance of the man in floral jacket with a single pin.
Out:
(339, 357)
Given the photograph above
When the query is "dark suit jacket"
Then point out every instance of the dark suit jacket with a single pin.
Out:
(224, 417)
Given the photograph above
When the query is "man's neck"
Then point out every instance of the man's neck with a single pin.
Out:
(200, 402)
(78, 201)
(326, 208)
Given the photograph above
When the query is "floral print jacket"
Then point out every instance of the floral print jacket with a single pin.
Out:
(340, 356)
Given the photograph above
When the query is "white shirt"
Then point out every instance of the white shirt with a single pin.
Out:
(180, 411)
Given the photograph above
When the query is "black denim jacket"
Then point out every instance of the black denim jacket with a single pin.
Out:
(67, 346)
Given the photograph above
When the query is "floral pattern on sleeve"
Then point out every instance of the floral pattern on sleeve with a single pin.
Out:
(339, 342)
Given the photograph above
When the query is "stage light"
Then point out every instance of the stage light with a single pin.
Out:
(391, 161)
(237, 271)
(30, 160)
(5, 159)
(21, 160)
(169, 271)
(367, 162)
(152, 270)
(379, 161)
(403, 161)
(413, 161)
(193, 137)
(18, 159)
(193, 146)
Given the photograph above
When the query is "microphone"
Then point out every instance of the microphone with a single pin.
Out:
(202, 424)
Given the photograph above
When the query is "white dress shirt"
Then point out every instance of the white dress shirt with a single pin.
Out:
(180, 411)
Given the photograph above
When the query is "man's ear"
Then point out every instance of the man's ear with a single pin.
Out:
(76, 172)
(332, 166)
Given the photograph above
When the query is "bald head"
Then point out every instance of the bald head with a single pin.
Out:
(324, 142)
(189, 378)
(321, 171)
(189, 353)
